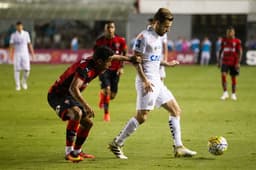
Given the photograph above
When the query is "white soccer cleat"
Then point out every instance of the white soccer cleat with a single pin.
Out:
(224, 96)
(117, 150)
(24, 85)
(182, 151)
(233, 96)
(18, 88)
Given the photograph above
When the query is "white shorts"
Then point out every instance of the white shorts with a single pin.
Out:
(21, 62)
(158, 97)
(162, 72)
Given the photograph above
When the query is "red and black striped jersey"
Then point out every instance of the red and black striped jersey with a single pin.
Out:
(230, 50)
(84, 69)
(117, 44)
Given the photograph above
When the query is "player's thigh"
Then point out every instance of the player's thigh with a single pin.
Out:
(66, 107)
(224, 69)
(105, 79)
(17, 63)
(164, 95)
(145, 101)
(114, 82)
(25, 63)
(234, 71)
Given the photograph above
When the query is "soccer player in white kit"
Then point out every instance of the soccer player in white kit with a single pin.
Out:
(150, 89)
(20, 46)
(165, 49)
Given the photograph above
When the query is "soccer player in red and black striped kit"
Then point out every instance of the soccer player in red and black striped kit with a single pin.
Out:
(229, 59)
(66, 99)
(110, 78)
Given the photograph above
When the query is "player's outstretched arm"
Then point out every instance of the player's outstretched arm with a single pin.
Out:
(133, 59)
(170, 64)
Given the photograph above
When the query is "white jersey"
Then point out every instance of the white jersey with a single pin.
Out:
(20, 40)
(150, 44)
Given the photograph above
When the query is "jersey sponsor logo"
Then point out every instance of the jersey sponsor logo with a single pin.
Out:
(154, 58)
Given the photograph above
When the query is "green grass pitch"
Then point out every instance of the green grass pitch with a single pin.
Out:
(33, 138)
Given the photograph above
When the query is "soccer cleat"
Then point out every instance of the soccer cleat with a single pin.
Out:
(117, 150)
(106, 117)
(85, 155)
(17, 88)
(74, 158)
(182, 151)
(233, 96)
(24, 86)
(224, 96)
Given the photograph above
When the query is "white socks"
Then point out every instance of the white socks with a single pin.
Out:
(25, 76)
(174, 123)
(68, 149)
(24, 79)
(130, 127)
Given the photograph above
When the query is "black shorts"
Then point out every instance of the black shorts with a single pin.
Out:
(109, 78)
(61, 104)
(232, 70)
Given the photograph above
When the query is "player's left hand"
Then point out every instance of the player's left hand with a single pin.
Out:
(135, 59)
(89, 111)
(173, 63)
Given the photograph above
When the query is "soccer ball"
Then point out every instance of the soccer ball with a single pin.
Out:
(217, 145)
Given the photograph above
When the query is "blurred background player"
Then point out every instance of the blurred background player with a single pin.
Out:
(20, 46)
(195, 47)
(110, 78)
(206, 51)
(66, 99)
(151, 91)
(229, 59)
(165, 49)
(74, 43)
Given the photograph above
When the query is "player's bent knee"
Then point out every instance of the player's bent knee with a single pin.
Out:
(86, 123)
(77, 113)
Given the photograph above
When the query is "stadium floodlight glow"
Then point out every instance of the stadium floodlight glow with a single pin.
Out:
(4, 5)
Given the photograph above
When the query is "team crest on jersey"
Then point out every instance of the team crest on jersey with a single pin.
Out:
(117, 45)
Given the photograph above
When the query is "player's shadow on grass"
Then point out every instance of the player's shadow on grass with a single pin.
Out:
(191, 158)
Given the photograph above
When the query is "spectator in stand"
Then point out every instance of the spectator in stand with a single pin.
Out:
(178, 44)
(185, 45)
(195, 47)
(74, 43)
(206, 51)
(217, 47)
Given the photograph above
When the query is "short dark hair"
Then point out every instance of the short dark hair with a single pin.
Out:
(150, 20)
(163, 14)
(18, 23)
(103, 53)
(230, 27)
(109, 22)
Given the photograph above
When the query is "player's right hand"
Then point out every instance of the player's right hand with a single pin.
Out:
(148, 86)
(89, 111)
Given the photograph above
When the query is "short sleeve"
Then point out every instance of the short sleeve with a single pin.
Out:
(164, 38)
(140, 44)
(82, 73)
(28, 38)
(12, 39)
